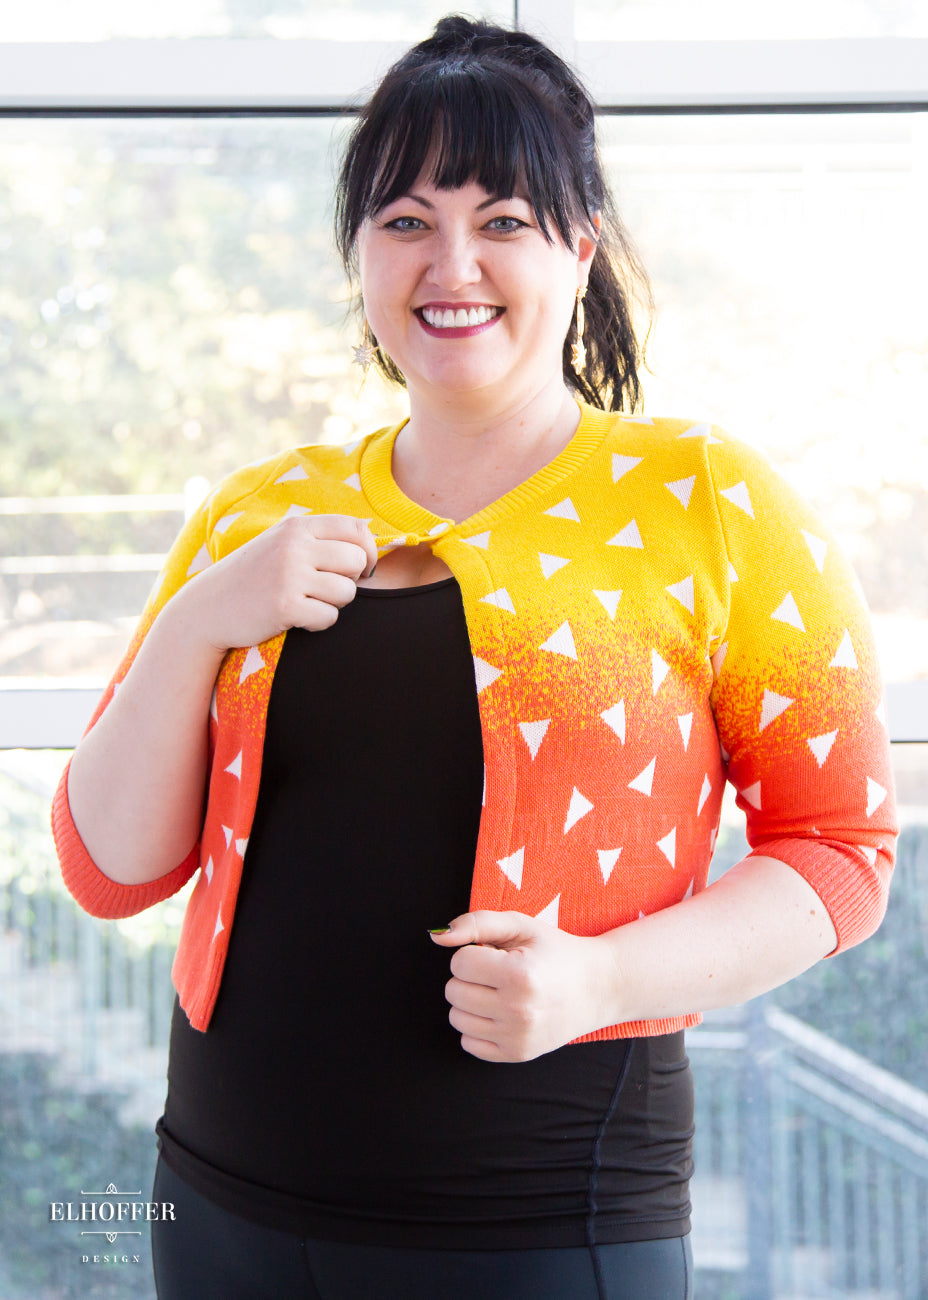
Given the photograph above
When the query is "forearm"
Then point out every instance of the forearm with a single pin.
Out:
(758, 926)
(137, 780)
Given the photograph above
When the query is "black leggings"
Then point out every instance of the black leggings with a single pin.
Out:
(207, 1253)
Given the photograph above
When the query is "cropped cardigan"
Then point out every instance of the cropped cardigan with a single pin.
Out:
(651, 613)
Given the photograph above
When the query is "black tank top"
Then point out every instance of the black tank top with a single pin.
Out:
(329, 1095)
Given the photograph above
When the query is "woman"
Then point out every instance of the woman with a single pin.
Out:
(471, 676)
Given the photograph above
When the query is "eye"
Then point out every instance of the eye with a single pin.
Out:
(406, 225)
(506, 225)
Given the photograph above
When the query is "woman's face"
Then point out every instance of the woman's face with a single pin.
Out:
(465, 293)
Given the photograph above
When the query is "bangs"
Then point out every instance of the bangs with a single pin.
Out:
(468, 123)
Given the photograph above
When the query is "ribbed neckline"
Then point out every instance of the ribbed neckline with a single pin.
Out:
(396, 509)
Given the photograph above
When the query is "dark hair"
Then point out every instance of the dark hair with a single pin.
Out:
(479, 103)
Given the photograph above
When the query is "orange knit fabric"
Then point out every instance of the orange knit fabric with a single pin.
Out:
(653, 611)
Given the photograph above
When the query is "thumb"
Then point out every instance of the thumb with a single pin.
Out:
(493, 929)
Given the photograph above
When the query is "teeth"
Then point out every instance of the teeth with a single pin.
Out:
(446, 318)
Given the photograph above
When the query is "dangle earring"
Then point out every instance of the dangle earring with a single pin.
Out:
(578, 353)
(364, 351)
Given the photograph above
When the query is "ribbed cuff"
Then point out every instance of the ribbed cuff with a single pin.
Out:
(95, 892)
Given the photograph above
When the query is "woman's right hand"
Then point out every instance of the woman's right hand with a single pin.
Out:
(299, 573)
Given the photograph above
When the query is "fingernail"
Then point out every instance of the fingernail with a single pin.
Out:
(373, 569)
(441, 929)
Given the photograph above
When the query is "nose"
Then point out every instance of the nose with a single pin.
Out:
(454, 263)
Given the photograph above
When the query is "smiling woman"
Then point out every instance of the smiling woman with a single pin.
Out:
(493, 663)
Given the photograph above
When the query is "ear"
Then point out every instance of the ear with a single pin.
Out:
(587, 243)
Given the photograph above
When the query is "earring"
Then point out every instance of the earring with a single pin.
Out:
(364, 351)
(578, 352)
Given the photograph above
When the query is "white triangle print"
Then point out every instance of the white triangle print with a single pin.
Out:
(683, 592)
(869, 854)
(227, 521)
(875, 796)
(241, 846)
(724, 753)
(551, 563)
(880, 713)
(549, 914)
(579, 807)
(227, 832)
(501, 599)
(208, 871)
(659, 670)
(607, 860)
(629, 536)
(752, 794)
(772, 707)
(682, 489)
(609, 601)
(564, 510)
(353, 481)
(697, 431)
(732, 576)
(668, 846)
(844, 655)
(296, 512)
(561, 642)
(689, 890)
(622, 464)
(219, 925)
(637, 419)
(685, 723)
(437, 530)
(719, 658)
(479, 539)
(253, 664)
(615, 718)
(704, 794)
(292, 475)
(644, 780)
(821, 745)
(202, 560)
(235, 767)
(485, 674)
(511, 867)
(788, 612)
(739, 496)
(349, 447)
(533, 733)
(818, 546)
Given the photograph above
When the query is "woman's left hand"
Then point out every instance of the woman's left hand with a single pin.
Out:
(520, 988)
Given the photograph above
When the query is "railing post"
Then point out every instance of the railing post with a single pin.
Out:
(758, 1168)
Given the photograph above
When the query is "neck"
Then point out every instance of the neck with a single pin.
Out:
(455, 460)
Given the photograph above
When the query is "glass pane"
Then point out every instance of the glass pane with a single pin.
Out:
(85, 1012)
(337, 20)
(811, 1144)
(789, 271)
(731, 20)
(171, 308)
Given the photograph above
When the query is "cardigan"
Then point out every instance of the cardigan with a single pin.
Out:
(652, 612)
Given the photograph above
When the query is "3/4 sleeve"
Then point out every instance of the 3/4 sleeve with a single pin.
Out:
(798, 696)
(94, 891)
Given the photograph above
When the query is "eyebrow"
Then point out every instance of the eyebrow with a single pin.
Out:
(487, 203)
